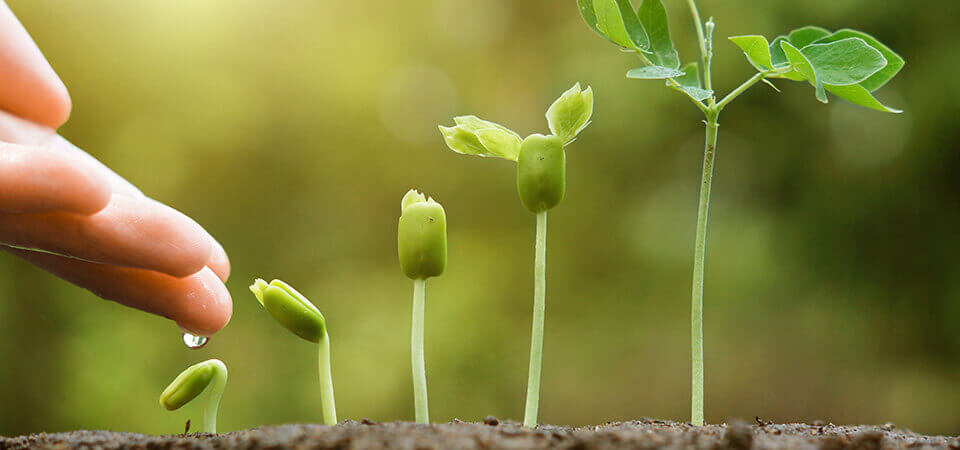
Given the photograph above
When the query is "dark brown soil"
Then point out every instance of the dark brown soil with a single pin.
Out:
(493, 434)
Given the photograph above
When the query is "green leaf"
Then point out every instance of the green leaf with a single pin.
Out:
(777, 58)
(802, 37)
(757, 50)
(462, 141)
(616, 19)
(569, 114)
(653, 73)
(895, 62)
(586, 11)
(465, 138)
(500, 143)
(859, 95)
(690, 83)
(844, 62)
(802, 65)
(653, 18)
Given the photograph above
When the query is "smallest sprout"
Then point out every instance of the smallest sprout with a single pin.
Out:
(301, 317)
(210, 375)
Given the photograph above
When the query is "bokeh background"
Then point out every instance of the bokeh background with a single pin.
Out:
(292, 129)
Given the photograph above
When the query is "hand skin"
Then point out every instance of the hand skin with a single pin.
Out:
(90, 226)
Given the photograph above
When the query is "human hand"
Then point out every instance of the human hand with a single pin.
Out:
(70, 215)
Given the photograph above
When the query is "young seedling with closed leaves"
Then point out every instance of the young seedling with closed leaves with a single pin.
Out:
(422, 249)
(301, 317)
(541, 183)
(209, 376)
(849, 64)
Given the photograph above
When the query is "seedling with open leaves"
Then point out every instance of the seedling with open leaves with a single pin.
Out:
(847, 63)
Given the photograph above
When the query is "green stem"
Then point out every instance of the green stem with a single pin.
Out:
(416, 344)
(709, 154)
(214, 393)
(704, 53)
(327, 401)
(539, 306)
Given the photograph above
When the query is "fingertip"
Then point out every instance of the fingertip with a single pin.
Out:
(219, 261)
(33, 179)
(210, 307)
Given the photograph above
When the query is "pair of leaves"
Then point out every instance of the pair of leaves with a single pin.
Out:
(475, 136)
(645, 30)
(849, 63)
(567, 117)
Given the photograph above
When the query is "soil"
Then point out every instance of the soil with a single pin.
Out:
(494, 434)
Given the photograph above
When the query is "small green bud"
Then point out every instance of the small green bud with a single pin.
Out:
(475, 136)
(570, 113)
(188, 385)
(541, 172)
(422, 236)
(291, 309)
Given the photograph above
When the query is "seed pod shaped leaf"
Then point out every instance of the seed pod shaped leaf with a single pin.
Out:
(541, 172)
(475, 136)
(571, 113)
(291, 309)
(187, 386)
(422, 236)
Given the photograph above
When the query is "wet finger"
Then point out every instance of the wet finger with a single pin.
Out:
(199, 303)
(129, 232)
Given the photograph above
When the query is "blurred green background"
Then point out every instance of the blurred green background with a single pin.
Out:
(291, 130)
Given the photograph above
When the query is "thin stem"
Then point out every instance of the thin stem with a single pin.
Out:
(416, 347)
(327, 401)
(741, 89)
(214, 393)
(539, 306)
(709, 153)
(704, 53)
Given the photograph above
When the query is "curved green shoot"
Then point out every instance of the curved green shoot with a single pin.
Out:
(541, 165)
(210, 375)
(303, 319)
(422, 250)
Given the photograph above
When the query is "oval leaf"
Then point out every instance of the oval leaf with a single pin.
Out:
(757, 50)
(616, 19)
(895, 62)
(859, 95)
(653, 18)
(569, 114)
(803, 67)
(802, 37)
(844, 62)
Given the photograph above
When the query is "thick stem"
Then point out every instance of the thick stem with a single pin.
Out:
(539, 306)
(416, 348)
(327, 401)
(696, 319)
(214, 393)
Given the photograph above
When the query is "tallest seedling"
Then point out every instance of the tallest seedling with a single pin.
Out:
(541, 181)
(847, 63)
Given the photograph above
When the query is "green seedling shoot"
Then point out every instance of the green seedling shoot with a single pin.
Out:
(300, 316)
(210, 375)
(541, 183)
(422, 248)
(847, 63)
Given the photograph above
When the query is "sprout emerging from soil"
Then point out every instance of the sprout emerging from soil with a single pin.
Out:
(300, 316)
(541, 183)
(422, 248)
(210, 375)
